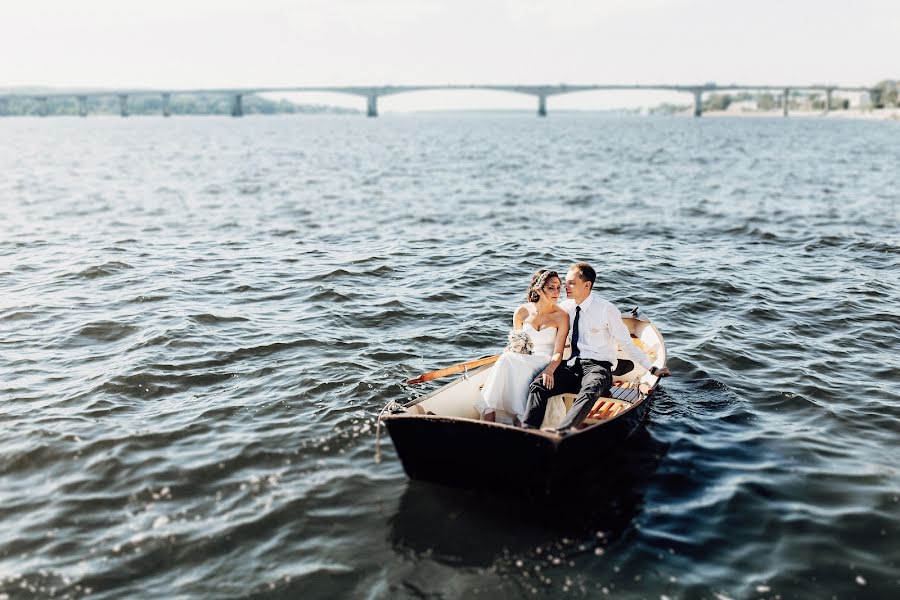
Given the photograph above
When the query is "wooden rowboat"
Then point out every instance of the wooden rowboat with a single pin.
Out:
(440, 438)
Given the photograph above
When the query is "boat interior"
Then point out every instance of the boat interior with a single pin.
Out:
(631, 384)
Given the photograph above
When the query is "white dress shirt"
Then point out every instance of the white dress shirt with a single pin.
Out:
(599, 328)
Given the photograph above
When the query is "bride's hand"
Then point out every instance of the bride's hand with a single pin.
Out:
(547, 379)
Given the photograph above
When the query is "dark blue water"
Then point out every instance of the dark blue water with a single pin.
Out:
(200, 319)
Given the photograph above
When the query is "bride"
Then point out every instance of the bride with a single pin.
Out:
(546, 325)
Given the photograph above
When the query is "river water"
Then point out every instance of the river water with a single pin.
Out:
(201, 318)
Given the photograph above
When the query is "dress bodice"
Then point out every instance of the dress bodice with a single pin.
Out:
(541, 339)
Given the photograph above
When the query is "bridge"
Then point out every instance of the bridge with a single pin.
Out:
(372, 94)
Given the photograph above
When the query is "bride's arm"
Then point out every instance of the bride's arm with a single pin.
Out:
(519, 317)
(562, 330)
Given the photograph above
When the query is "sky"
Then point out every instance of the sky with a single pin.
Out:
(246, 43)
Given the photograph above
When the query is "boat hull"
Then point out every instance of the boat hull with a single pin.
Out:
(487, 456)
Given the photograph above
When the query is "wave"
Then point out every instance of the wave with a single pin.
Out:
(211, 319)
(104, 270)
(107, 331)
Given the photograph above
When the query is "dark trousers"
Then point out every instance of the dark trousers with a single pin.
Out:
(590, 379)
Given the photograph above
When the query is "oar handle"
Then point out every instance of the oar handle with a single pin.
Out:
(452, 370)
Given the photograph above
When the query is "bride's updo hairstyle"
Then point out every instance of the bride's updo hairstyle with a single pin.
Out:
(537, 283)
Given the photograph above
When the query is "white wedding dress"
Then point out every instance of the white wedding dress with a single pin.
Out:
(506, 390)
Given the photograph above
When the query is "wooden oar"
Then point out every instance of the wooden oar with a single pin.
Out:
(452, 370)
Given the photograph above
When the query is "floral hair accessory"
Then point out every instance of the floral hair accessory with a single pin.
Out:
(519, 342)
(539, 283)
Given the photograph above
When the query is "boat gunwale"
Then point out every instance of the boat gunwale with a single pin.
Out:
(445, 387)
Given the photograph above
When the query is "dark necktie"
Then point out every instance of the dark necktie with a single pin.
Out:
(575, 350)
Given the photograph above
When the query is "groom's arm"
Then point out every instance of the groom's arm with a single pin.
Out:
(623, 337)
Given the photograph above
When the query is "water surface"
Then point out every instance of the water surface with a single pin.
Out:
(201, 318)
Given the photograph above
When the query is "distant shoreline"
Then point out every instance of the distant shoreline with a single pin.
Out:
(882, 114)
(184, 104)
(879, 114)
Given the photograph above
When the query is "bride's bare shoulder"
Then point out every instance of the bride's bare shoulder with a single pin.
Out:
(561, 315)
(523, 311)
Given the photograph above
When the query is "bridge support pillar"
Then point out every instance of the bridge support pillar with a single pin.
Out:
(698, 103)
(542, 105)
(828, 93)
(123, 105)
(372, 105)
(785, 100)
(237, 106)
(42, 106)
(82, 106)
(166, 110)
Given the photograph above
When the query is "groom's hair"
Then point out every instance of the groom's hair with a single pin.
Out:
(587, 272)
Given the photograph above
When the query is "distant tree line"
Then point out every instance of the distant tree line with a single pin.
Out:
(667, 108)
(180, 104)
(767, 101)
(763, 101)
(885, 93)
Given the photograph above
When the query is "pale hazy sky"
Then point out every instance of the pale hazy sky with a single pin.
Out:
(225, 43)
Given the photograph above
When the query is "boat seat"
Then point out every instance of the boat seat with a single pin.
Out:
(626, 394)
(606, 409)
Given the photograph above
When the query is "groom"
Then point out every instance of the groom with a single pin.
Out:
(595, 325)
